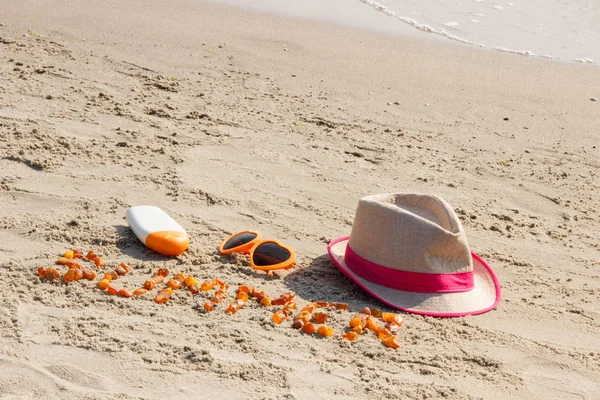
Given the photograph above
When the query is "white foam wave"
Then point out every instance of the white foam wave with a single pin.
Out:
(585, 60)
(520, 52)
(416, 24)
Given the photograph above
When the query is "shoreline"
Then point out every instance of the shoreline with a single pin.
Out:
(232, 120)
(382, 21)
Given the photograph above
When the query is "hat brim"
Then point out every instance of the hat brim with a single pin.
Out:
(484, 296)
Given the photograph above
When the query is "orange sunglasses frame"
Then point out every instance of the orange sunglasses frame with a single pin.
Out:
(248, 248)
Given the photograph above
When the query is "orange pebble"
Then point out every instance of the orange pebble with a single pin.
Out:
(52, 274)
(73, 274)
(244, 289)
(283, 299)
(69, 254)
(232, 308)
(357, 329)
(325, 331)
(304, 316)
(125, 293)
(372, 325)
(206, 286)
(149, 284)
(73, 264)
(194, 289)
(126, 267)
(162, 272)
(270, 273)
(355, 322)
(310, 308)
(190, 281)
(242, 296)
(174, 284)
(308, 328)
(77, 254)
(104, 284)
(179, 277)
(218, 282)
(298, 324)
(139, 292)
(290, 306)
(163, 296)
(209, 306)
(112, 275)
(99, 261)
(383, 334)
(287, 297)
(375, 312)
(339, 306)
(279, 317)
(392, 342)
(41, 271)
(320, 317)
(363, 317)
(388, 316)
(222, 289)
(366, 311)
(350, 336)
(121, 271)
(392, 327)
(398, 320)
(218, 297)
(89, 275)
(266, 301)
(62, 261)
(112, 290)
(322, 304)
(91, 255)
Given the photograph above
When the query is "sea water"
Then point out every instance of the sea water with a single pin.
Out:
(567, 30)
(561, 29)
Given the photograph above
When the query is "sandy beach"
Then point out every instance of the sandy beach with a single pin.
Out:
(230, 120)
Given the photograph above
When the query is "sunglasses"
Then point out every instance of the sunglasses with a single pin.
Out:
(265, 255)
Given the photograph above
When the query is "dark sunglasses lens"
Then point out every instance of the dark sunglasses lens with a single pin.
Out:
(270, 254)
(239, 240)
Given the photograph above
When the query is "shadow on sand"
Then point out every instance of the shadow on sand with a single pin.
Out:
(322, 281)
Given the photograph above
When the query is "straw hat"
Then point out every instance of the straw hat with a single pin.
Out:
(410, 251)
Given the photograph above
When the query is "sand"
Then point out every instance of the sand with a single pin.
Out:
(233, 120)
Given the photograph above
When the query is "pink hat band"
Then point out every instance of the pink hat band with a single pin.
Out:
(407, 280)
